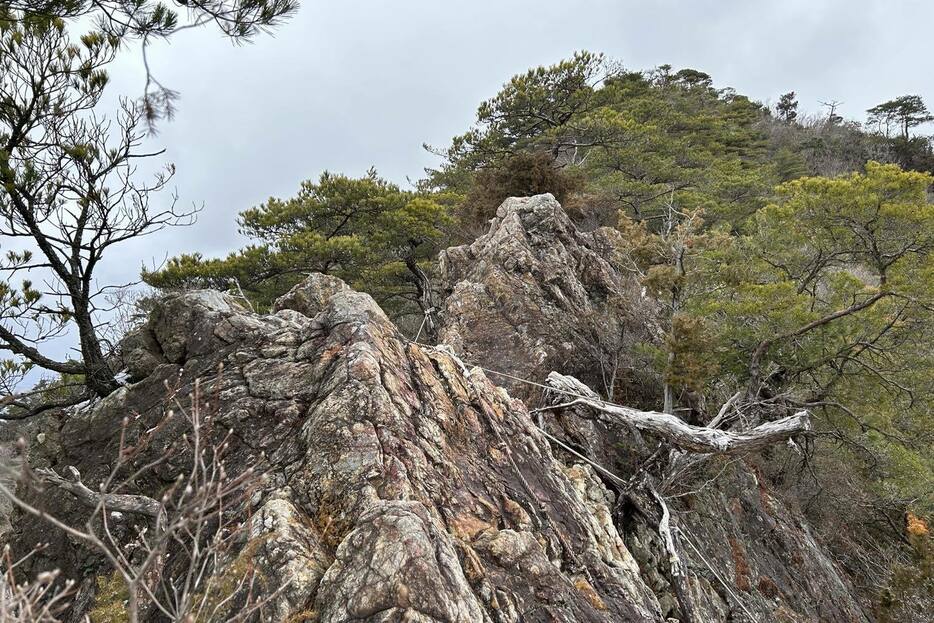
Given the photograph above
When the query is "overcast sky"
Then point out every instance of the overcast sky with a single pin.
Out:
(350, 84)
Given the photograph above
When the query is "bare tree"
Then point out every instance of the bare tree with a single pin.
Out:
(832, 117)
(190, 560)
(41, 600)
(681, 448)
(568, 392)
(69, 190)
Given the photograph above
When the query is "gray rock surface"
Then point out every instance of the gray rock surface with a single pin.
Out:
(406, 486)
(535, 294)
(522, 299)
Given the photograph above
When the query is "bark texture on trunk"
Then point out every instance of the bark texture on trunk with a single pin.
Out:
(123, 503)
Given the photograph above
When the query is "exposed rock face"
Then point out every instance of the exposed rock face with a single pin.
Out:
(522, 299)
(535, 294)
(406, 487)
(774, 568)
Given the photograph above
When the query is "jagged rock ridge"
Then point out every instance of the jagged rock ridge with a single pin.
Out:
(536, 272)
(536, 294)
(406, 487)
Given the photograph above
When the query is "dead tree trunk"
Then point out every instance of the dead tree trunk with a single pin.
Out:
(568, 392)
(120, 502)
(676, 431)
(425, 298)
(677, 569)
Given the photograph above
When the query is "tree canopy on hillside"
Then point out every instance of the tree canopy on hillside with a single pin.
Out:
(640, 140)
(365, 230)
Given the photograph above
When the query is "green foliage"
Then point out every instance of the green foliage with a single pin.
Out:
(789, 164)
(825, 246)
(826, 304)
(787, 107)
(691, 345)
(910, 591)
(678, 263)
(903, 112)
(824, 300)
(239, 19)
(120, 21)
(821, 300)
(643, 141)
(365, 230)
(639, 142)
(528, 108)
(522, 174)
(58, 180)
(110, 600)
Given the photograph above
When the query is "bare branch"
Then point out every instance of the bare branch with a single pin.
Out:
(123, 503)
(688, 437)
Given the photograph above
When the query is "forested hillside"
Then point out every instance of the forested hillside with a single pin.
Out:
(728, 304)
(789, 252)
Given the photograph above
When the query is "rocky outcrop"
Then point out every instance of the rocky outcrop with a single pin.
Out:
(535, 294)
(522, 299)
(404, 487)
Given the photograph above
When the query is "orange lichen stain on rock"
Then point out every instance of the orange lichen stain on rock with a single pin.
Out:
(516, 513)
(473, 568)
(331, 352)
(497, 412)
(740, 564)
(466, 527)
(364, 367)
(767, 586)
(589, 593)
(327, 355)
(497, 455)
(916, 526)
